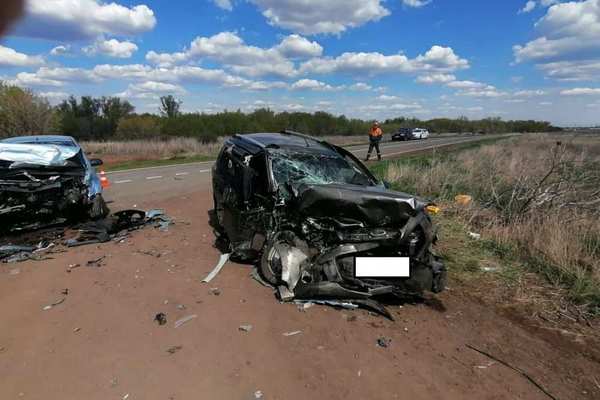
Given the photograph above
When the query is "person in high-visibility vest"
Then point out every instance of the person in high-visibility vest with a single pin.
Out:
(375, 135)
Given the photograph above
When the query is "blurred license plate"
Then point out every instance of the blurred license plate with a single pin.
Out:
(382, 267)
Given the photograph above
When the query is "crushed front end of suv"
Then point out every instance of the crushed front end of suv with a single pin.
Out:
(46, 180)
(303, 209)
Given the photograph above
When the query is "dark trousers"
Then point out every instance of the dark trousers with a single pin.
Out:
(374, 143)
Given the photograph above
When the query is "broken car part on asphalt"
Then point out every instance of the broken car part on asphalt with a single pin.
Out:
(115, 226)
(303, 209)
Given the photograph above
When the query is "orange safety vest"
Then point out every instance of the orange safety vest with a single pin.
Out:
(375, 132)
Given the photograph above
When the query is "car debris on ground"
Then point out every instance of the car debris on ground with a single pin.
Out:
(302, 210)
(38, 244)
(384, 342)
(161, 318)
(184, 320)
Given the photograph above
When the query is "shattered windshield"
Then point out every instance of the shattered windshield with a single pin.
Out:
(296, 168)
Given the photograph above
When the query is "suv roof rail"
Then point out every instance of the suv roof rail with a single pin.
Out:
(302, 135)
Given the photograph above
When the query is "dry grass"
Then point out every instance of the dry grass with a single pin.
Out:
(143, 150)
(137, 150)
(536, 197)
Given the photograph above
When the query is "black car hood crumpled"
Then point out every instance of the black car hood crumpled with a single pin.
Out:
(372, 205)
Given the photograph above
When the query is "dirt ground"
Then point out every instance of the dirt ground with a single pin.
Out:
(102, 342)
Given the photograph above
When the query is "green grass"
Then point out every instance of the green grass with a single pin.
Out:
(156, 163)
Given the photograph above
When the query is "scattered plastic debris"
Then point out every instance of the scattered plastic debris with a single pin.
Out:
(383, 342)
(475, 236)
(72, 267)
(463, 199)
(97, 262)
(222, 260)
(184, 320)
(292, 333)
(161, 318)
(49, 306)
(215, 291)
(245, 328)
(258, 394)
(174, 349)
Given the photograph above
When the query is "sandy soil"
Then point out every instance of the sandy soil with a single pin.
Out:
(102, 342)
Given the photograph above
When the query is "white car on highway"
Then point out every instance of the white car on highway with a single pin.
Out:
(420, 133)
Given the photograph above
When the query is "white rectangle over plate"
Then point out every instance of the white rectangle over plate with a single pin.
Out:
(382, 267)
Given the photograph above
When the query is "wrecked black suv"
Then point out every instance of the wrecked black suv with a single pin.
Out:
(303, 209)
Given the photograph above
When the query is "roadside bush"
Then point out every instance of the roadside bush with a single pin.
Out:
(138, 127)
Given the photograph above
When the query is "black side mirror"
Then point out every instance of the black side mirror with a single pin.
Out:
(96, 162)
(387, 184)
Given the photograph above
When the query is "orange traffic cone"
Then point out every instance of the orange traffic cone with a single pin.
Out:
(104, 182)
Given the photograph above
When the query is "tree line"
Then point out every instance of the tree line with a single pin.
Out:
(22, 112)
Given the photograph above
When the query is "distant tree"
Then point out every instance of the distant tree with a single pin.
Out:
(169, 106)
(113, 110)
(24, 113)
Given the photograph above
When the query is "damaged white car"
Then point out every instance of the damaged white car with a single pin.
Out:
(47, 180)
(303, 210)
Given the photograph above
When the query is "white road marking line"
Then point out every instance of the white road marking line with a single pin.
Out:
(157, 167)
(154, 177)
(182, 173)
(124, 181)
(205, 170)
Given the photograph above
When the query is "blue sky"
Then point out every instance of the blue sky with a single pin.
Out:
(513, 59)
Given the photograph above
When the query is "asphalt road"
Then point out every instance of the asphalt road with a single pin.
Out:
(130, 187)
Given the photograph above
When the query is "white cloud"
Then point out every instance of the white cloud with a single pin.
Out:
(385, 97)
(529, 6)
(436, 78)
(12, 58)
(28, 79)
(416, 3)
(296, 46)
(317, 16)
(83, 19)
(584, 70)
(360, 87)
(54, 96)
(111, 48)
(54, 77)
(581, 92)
(60, 50)
(230, 50)
(487, 92)
(224, 4)
(468, 85)
(568, 32)
(311, 84)
(151, 89)
(437, 59)
(529, 93)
